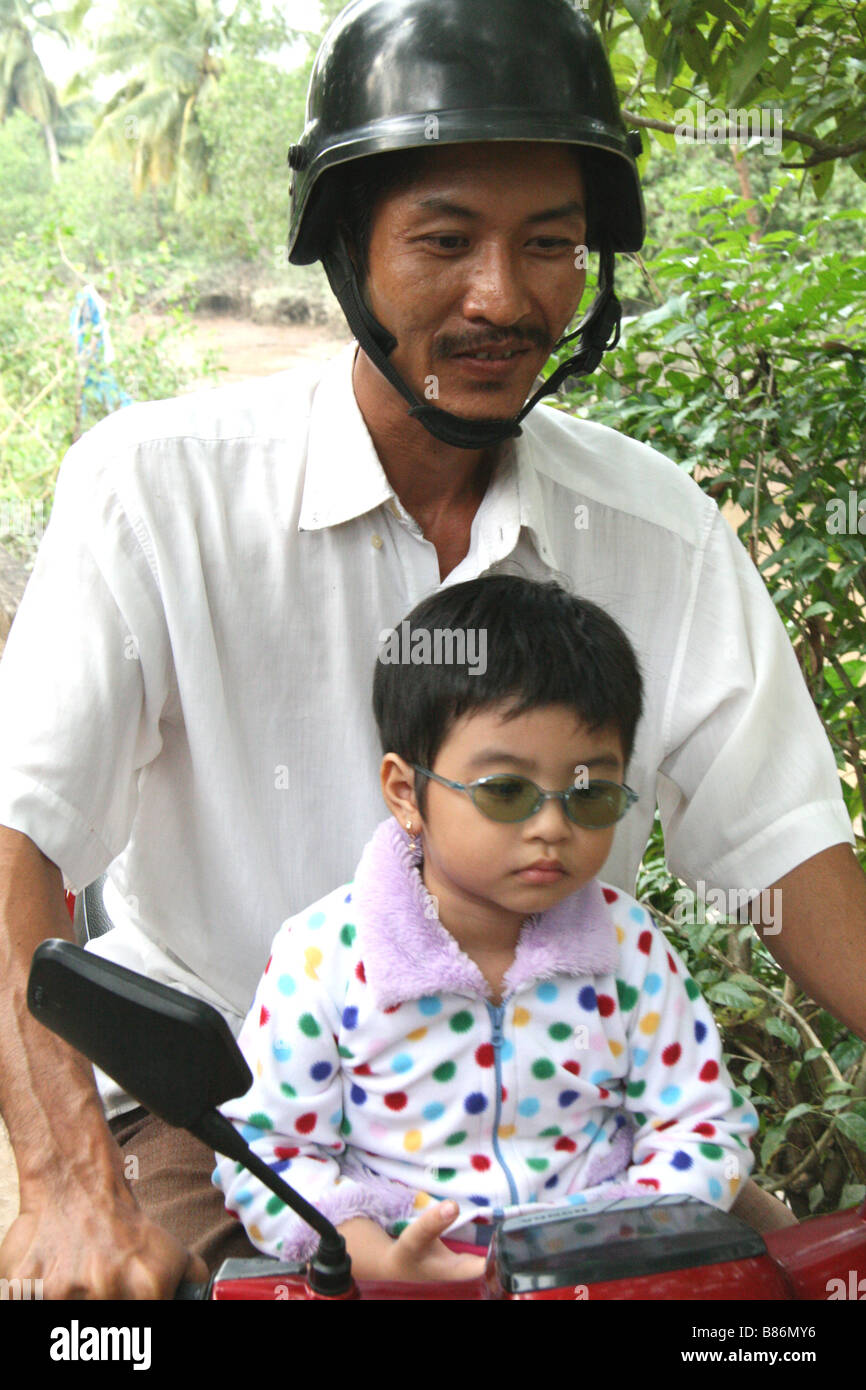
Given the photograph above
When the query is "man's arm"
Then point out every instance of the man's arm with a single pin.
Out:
(79, 1229)
(822, 941)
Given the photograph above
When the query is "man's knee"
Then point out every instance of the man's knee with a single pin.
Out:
(169, 1174)
(761, 1210)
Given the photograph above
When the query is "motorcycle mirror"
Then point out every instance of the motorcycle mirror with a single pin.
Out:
(174, 1054)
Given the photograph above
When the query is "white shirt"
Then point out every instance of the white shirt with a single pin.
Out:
(185, 694)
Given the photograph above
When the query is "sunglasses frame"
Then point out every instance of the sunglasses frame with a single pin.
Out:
(542, 796)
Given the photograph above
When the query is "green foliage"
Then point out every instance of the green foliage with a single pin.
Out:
(807, 60)
(804, 1072)
(171, 56)
(749, 372)
(86, 226)
(103, 223)
(25, 177)
(248, 121)
(756, 383)
(37, 379)
(43, 404)
(670, 175)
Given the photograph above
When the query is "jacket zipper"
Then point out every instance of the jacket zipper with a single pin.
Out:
(497, 1018)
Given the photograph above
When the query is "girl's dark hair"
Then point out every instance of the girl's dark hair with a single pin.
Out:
(541, 646)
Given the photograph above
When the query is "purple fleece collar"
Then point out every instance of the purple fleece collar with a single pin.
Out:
(407, 953)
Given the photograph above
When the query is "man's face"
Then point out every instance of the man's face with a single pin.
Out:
(474, 262)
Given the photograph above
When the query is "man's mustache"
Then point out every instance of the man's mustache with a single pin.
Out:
(527, 337)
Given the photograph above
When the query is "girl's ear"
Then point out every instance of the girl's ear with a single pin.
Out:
(398, 789)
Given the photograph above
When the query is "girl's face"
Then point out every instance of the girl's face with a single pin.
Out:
(486, 873)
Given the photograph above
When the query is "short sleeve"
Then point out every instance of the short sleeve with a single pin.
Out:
(85, 676)
(750, 787)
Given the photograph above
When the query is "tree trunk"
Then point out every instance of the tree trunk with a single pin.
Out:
(742, 169)
(51, 146)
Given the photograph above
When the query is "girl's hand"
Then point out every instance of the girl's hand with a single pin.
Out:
(419, 1254)
(416, 1256)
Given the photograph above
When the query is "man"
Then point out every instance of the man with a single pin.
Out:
(185, 692)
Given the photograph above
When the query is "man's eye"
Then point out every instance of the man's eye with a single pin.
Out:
(446, 242)
(551, 243)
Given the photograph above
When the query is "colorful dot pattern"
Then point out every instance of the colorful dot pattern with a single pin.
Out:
(377, 1112)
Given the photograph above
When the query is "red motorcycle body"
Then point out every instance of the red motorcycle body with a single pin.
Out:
(676, 1251)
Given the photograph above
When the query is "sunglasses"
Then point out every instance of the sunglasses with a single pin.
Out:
(504, 797)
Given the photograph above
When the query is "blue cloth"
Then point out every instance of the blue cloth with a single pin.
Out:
(93, 348)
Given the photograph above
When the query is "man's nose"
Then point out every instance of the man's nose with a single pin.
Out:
(497, 288)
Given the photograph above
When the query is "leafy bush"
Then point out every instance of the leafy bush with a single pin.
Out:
(44, 401)
(804, 1072)
(249, 122)
(25, 177)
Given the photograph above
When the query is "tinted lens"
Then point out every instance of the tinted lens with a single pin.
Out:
(506, 798)
(598, 805)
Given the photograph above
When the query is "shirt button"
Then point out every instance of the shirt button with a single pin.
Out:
(376, 541)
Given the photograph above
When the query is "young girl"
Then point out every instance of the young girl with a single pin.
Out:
(476, 1024)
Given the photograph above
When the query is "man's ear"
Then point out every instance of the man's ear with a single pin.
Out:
(350, 245)
(356, 262)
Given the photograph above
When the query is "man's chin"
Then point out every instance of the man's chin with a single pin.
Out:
(487, 401)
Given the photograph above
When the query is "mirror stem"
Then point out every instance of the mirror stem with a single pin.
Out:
(330, 1268)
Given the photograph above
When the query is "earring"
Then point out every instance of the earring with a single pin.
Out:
(413, 841)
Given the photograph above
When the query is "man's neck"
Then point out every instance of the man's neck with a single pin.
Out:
(440, 486)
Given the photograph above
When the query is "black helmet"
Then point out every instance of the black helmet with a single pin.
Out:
(401, 74)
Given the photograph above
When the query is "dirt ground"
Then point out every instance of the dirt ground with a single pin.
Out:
(246, 349)
(249, 349)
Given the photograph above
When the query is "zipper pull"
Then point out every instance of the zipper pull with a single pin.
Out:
(497, 1013)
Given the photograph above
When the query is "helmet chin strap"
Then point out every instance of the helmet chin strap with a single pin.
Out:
(597, 331)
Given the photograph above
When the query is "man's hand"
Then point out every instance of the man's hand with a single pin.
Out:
(95, 1249)
(418, 1255)
(80, 1229)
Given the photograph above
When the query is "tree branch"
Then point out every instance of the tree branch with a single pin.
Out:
(823, 152)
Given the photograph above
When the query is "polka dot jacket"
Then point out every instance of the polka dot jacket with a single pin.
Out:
(385, 1077)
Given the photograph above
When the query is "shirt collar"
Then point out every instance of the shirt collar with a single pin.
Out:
(408, 954)
(344, 478)
(533, 514)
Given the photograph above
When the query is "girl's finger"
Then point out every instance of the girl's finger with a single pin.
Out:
(428, 1227)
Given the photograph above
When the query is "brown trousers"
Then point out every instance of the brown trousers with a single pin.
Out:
(171, 1182)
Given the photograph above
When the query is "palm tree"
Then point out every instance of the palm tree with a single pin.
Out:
(170, 53)
(24, 85)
